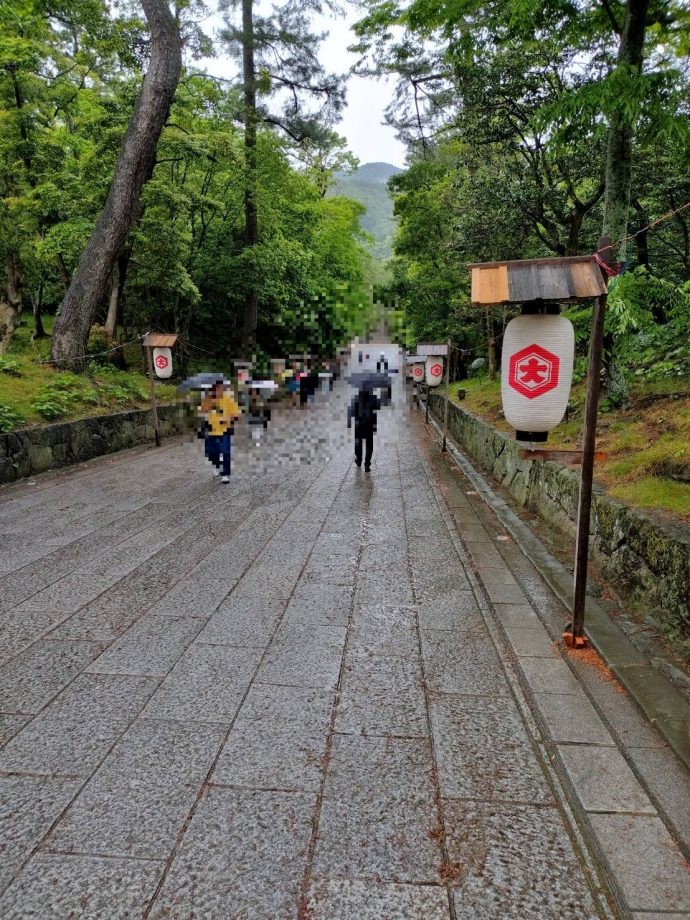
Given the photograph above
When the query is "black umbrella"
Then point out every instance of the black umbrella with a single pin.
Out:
(369, 379)
(201, 382)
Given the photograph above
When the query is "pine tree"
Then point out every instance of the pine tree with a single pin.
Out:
(279, 63)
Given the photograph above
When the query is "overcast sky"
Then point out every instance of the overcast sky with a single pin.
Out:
(370, 139)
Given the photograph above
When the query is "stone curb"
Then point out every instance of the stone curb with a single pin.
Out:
(661, 703)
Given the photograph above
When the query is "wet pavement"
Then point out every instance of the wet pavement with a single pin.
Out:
(311, 693)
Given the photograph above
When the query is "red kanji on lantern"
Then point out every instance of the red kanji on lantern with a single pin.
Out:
(533, 371)
(161, 361)
(436, 370)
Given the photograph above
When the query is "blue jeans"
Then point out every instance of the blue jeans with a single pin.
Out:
(217, 449)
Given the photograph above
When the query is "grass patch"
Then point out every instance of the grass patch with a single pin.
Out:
(33, 393)
(643, 440)
(655, 493)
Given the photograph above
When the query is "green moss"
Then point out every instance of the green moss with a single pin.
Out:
(655, 493)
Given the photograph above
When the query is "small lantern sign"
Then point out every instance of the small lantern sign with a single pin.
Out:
(158, 347)
(536, 373)
(434, 370)
(418, 372)
(243, 370)
(162, 362)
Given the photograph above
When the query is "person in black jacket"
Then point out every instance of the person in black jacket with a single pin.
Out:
(363, 410)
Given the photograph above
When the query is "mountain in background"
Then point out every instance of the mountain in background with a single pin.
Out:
(368, 186)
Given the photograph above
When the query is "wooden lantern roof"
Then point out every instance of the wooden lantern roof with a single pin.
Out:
(159, 340)
(568, 279)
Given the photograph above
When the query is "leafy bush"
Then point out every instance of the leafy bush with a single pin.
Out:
(138, 391)
(66, 383)
(658, 353)
(9, 419)
(113, 392)
(648, 323)
(639, 300)
(580, 368)
(99, 341)
(10, 367)
(51, 405)
(582, 324)
(617, 390)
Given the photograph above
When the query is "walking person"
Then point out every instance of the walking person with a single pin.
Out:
(363, 410)
(292, 379)
(258, 415)
(382, 368)
(304, 382)
(220, 412)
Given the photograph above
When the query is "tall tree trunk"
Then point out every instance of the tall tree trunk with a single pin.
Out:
(10, 300)
(64, 273)
(39, 331)
(251, 221)
(13, 281)
(117, 283)
(622, 128)
(642, 235)
(113, 303)
(573, 242)
(132, 170)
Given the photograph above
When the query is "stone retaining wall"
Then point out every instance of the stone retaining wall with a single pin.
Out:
(35, 450)
(647, 560)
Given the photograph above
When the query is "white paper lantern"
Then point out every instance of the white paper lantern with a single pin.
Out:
(536, 372)
(418, 373)
(434, 371)
(162, 362)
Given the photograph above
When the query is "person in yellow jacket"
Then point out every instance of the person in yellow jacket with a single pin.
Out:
(219, 411)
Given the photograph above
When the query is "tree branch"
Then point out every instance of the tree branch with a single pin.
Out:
(617, 28)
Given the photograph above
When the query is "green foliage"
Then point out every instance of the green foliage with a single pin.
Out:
(51, 405)
(506, 108)
(61, 397)
(99, 346)
(648, 323)
(10, 367)
(10, 419)
(64, 112)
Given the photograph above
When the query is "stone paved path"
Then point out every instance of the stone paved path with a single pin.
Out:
(309, 695)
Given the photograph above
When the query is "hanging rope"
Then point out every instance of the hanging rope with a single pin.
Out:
(96, 354)
(631, 236)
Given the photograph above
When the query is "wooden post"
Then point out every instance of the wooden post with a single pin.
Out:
(445, 409)
(584, 510)
(156, 428)
(427, 403)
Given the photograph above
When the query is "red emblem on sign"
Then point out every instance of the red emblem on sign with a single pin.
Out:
(436, 370)
(161, 361)
(533, 371)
